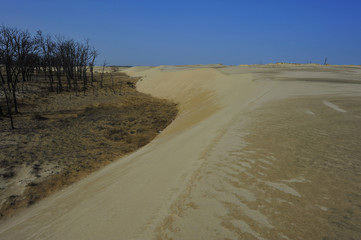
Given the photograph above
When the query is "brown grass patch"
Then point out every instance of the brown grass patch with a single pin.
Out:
(60, 138)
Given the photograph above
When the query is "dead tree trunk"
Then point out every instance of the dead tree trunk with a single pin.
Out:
(7, 98)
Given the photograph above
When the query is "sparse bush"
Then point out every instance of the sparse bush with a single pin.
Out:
(116, 134)
(8, 174)
(37, 116)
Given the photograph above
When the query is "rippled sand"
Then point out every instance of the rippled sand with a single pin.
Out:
(290, 169)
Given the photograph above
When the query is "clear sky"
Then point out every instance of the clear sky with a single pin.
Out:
(175, 32)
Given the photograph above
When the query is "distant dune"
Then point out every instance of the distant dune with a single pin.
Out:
(256, 152)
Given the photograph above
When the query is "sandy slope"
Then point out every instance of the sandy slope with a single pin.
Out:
(218, 171)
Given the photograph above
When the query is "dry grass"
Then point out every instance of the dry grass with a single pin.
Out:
(60, 138)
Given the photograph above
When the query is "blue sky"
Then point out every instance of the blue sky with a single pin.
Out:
(139, 32)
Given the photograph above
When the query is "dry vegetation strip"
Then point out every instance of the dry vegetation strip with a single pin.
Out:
(60, 138)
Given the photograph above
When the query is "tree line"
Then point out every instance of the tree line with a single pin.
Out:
(64, 63)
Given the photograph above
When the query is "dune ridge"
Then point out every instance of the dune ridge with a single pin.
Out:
(202, 177)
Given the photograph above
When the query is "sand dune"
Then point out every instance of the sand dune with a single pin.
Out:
(256, 152)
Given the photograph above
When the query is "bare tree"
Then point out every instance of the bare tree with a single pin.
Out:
(325, 62)
(93, 55)
(8, 48)
(102, 74)
(47, 55)
(21, 55)
(58, 66)
(7, 98)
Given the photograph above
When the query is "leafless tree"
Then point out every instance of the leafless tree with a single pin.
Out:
(7, 96)
(102, 74)
(47, 55)
(8, 60)
(93, 55)
(21, 55)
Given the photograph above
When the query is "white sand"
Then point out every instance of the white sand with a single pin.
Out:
(146, 194)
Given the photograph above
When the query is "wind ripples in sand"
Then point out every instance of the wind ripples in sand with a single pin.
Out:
(274, 179)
